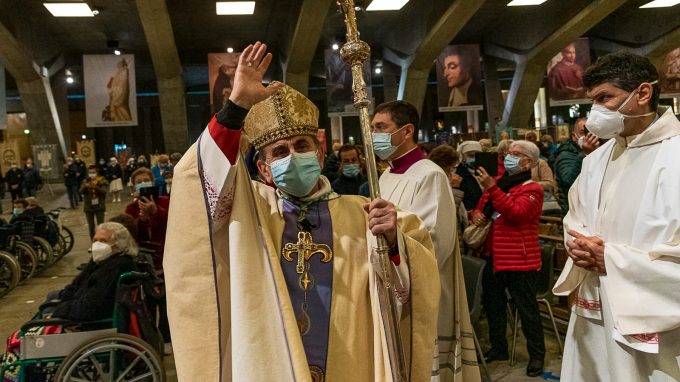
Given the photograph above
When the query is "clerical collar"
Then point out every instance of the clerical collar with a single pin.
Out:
(624, 142)
(325, 192)
(404, 162)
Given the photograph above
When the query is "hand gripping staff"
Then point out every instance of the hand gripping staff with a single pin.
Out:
(355, 52)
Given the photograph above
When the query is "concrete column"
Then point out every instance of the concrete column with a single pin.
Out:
(492, 93)
(161, 40)
(3, 100)
(35, 91)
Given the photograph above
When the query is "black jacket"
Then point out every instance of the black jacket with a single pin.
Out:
(567, 169)
(31, 177)
(91, 295)
(345, 185)
(15, 176)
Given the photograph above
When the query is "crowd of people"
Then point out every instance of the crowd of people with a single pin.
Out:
(291, 228)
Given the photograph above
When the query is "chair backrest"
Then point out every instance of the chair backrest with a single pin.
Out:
(473, 269)
(547, 274)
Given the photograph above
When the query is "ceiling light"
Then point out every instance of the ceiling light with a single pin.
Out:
(335, 46)
(84, 137)
(378, 70)
(517, 3)
(661, 3)
(116, 52)
(69, 80)
(386, 5)
(69, 9)
(230, 50)
(27, 131)
(235, 7)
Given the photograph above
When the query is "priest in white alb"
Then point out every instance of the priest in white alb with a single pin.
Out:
(417, 184)
(276, 281)
(623, 233)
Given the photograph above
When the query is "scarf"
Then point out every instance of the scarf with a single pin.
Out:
(505, 183)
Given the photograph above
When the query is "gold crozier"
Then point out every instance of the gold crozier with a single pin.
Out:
(305, 249)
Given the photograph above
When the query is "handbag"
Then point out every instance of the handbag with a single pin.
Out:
(475, 236)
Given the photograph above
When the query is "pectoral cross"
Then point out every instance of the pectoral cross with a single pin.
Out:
(305, 249)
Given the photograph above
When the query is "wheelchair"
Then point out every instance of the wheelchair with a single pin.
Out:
(125, 347)
(26, 230)
(10, 272)
(25, 255)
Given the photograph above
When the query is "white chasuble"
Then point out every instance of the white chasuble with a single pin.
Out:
(229, 308)
(625, 325)
(424, 190)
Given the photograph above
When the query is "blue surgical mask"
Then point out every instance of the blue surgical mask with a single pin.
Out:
(17, 211)
(382, 144)
(139, 186)
(92, 175)
(511, 164)
(351, 170)
(297, 173)
(470, 162)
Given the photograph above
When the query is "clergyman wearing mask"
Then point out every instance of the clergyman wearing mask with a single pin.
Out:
(622, 232)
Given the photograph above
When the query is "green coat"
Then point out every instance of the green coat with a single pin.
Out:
(567, 169)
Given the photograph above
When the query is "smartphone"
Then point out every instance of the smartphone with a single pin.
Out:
(489, 161)
(151, 193)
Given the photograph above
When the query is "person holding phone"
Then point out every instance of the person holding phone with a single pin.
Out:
(513, 204)
(150, 212)
(94, 195)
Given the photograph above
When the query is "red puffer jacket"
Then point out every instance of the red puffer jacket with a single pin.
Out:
(513, 238)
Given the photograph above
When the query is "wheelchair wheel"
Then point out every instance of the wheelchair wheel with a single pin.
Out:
(28, 261)
(112, 357)
(67, 235)
(10, 273)
(59, 249)
(44, 250)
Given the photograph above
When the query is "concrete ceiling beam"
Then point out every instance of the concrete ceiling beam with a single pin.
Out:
(656, 50)
(452, 21)
(304, 43)
(161, 41)
(34, 90)
(529, 72)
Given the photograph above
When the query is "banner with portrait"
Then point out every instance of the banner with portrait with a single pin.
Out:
(339, 83)
(221, 71)
(110, 90)
(669, 74)
(565, 74)
(45, 159)
(459, 78)
(3, 100)
(85, 150)
(9, 153)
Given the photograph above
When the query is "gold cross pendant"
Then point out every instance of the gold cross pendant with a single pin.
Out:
(305, 249)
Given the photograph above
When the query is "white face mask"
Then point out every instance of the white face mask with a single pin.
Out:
(605, 123)
(101, 251)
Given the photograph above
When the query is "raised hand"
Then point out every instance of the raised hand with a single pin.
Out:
(252, 65)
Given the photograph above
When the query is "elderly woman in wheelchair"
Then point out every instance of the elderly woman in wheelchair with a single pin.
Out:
(81, 332)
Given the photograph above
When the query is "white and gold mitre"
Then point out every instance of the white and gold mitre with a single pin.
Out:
(286, 113)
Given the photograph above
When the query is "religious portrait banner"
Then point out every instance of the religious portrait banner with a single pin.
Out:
(669, 74)
(110, 90)
(221, 70)
(9, 153)
(85, 150)
(565, 74)
(339, 83)
(459, 78)
(45, 159)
